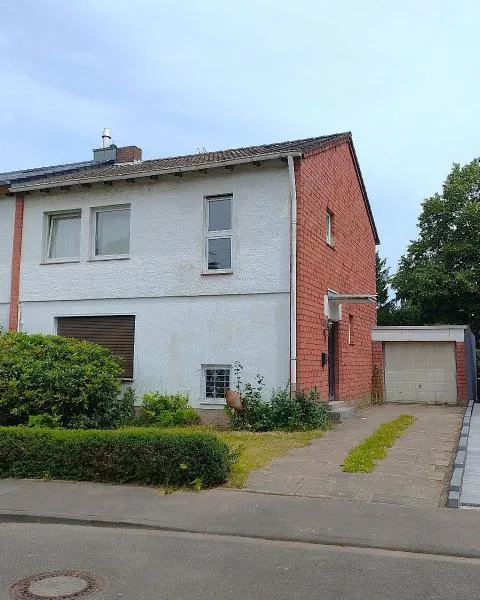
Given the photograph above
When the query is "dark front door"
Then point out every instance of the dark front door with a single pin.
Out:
(332, 359)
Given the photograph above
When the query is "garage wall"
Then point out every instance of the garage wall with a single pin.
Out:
(424, 372)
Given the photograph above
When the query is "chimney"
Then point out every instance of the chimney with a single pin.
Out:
(108, 151)
(106, 138)
(128, 154)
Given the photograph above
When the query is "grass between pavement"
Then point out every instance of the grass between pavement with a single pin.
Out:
(258, 449)
(362, 458)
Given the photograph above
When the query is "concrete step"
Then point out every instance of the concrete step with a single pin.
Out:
(339, 411)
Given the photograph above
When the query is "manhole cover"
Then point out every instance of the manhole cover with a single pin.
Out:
(59, 585)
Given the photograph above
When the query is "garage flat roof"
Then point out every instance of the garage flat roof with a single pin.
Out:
(420, 333)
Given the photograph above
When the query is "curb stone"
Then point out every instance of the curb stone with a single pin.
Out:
(455, 487)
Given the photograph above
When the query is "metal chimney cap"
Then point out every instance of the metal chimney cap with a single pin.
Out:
(106, 137)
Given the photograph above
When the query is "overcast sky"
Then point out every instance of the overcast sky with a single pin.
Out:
(171, 76)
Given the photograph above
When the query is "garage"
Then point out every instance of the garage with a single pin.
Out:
(420, 372)
(424, 364)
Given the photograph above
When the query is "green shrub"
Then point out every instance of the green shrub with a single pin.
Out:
(286, 412)
(43, 421)
(167, 410)
(140, 455)
(73, 381)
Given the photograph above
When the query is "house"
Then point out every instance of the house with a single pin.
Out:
(185, 266)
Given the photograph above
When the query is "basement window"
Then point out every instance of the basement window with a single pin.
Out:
(216, 383)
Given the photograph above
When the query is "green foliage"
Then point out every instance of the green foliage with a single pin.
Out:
(43, 421)
(167, 410)
(284, 412)
(73, 381)
(361, 459)
(439, 276)
(140, 455)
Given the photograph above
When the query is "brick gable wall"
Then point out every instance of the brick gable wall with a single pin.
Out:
(327, 180)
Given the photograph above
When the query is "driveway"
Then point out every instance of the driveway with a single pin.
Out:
(414, 471)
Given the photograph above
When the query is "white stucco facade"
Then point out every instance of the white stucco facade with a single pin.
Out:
(184, 318)
(7, 215)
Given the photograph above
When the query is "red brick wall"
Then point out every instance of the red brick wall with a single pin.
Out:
(327, 180)
(461, 373)
(16, 259)
(128, 154)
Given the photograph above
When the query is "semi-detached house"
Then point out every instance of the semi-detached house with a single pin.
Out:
(184, 266)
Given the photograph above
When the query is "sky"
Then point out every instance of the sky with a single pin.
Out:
(174, 76)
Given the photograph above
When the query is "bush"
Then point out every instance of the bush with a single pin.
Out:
(167, 410)
(286, 412)
(142, 456)
(76, 383)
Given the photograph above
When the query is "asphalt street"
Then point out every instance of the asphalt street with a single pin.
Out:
(152, 565)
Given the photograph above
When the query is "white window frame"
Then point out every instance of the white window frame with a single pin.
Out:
(224, 233)
(203, 395)
(93, 231)
(329, 238)
(351, 330)
(47, 232)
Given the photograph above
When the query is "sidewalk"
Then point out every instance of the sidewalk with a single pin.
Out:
(237, 513)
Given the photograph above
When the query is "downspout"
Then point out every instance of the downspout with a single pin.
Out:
(293, 275)
(13, 320)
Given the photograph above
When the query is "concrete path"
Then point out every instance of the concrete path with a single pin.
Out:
(413, 473)
(470, 495)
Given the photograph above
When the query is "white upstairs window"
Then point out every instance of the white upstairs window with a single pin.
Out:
(218, 233)
(63, 236)
(111, 236)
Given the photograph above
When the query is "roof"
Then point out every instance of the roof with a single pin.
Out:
(188, 161)
(90, 171)
(42, 172)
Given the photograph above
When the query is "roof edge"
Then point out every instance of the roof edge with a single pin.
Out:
(153, 172)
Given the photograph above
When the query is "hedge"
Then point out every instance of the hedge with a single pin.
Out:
(141, 455)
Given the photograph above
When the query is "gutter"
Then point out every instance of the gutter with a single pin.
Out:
(153, 172)
(293, 274)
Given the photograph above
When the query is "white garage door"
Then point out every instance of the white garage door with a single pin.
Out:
(420, 372)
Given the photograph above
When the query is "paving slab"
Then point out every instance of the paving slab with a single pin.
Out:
(415, 469)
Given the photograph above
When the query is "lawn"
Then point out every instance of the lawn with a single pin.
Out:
(362, 458)
(259, 449)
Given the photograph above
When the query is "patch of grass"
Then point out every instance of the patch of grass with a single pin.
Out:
(255, 450)
(259, 449)
(361, 459)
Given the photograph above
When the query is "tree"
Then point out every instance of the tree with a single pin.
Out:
(385, 304)
(439, 276)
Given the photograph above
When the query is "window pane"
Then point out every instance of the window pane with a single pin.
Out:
(220, 214)
(219, 253)
(64, 236)
(217, 382)
(112, 235)
(329, 227)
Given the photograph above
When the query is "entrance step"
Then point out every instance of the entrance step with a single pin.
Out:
(338, 411)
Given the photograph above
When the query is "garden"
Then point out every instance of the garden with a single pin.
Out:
(64, 414)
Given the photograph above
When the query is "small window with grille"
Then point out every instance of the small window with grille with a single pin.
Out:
(216, 383)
